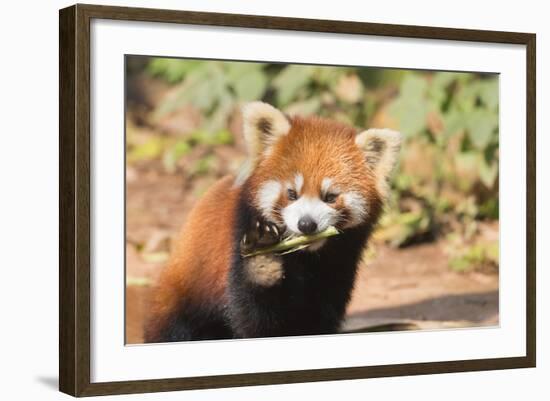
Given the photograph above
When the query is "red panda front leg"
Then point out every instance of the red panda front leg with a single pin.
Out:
(262, 270)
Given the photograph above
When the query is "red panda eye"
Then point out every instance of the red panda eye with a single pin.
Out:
(330, 198)
(292, 195)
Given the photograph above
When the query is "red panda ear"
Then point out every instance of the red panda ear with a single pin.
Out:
(381, 148)
(262, 125)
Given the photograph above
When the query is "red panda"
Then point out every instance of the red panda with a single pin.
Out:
(302, 176)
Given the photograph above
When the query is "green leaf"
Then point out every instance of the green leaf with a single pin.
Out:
(236, 70)
(181, 148)
(413, 87)
(454, 122)
(173, 154)
(203, 166)
(481, 128)
(250, 86)
(202, 88)
(171, 69)
(327, 75)
(397, 229)
(465, 97)
(489, 93)
(492, 251)
(290, 80)
(411, 115)
(196, 90)
(218, 119)
(473, 256)
(411, 108)
(223, 137)
(467, 160)
(146, 151)
(442, 80)
(460, 263)
(489, 208)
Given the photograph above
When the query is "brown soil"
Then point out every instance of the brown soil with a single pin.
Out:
(404, 288)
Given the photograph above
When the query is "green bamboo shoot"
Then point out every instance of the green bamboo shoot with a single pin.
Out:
(293, 244)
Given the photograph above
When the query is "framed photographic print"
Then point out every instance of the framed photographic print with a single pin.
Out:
(251, 200)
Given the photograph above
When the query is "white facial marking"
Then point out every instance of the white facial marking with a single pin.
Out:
(298, 182)
(325, 185)
(357, 207)
(318, 210)
(268, 194)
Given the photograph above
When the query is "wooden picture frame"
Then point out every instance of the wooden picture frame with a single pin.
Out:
(75, 207)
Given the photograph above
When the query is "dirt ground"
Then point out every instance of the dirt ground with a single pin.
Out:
(397, 289)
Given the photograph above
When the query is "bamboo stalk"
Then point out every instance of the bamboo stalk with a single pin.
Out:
(294, 244)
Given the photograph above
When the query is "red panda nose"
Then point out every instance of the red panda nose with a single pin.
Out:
(307, 225)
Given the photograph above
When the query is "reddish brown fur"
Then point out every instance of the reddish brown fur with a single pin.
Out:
(199, 265)
(317, 148)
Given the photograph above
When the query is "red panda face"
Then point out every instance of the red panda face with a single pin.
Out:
(311, 173)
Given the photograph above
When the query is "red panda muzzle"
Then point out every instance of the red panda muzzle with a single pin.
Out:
(307, 225)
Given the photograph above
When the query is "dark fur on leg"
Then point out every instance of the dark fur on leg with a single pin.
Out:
(200, 322)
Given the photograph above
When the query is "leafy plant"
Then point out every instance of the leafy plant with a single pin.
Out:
(449, 164)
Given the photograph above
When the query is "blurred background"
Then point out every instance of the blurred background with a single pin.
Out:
(433, 260)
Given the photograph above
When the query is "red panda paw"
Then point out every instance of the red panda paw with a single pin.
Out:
(261, 233)
(264, 270)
